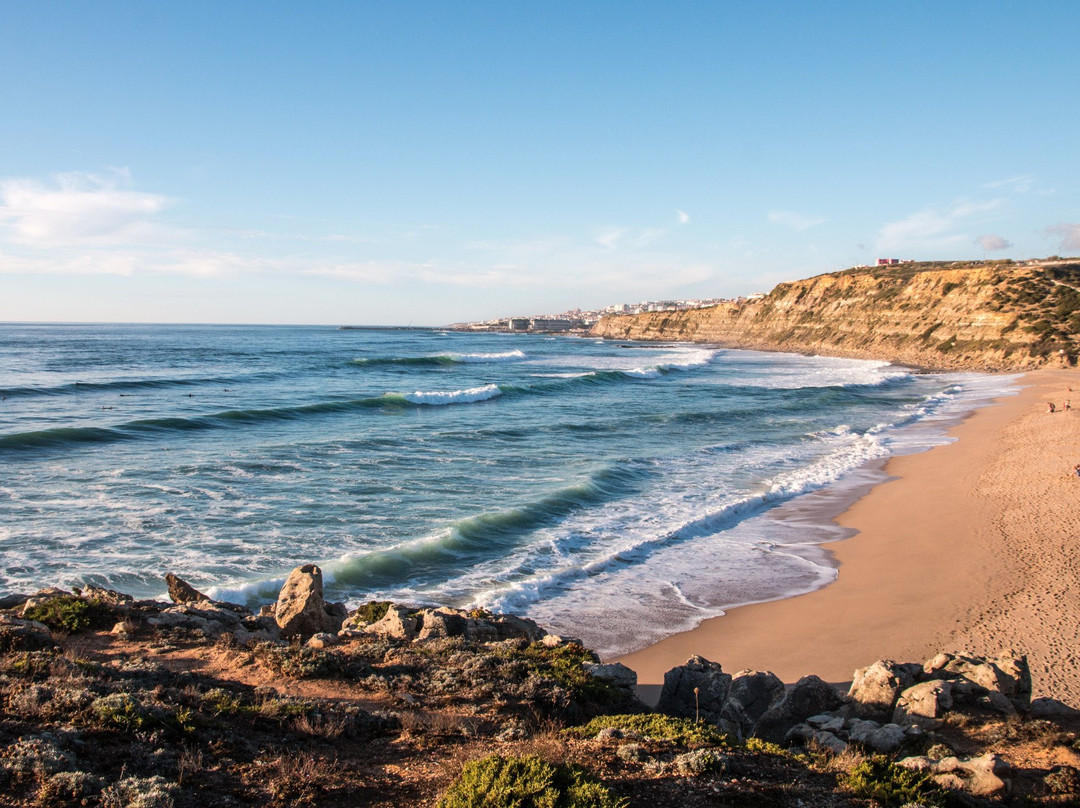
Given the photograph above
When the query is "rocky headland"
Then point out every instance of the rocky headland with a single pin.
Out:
(990, 315)
(113, 701)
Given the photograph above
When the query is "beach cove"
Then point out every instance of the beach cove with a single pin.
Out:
(968, 546)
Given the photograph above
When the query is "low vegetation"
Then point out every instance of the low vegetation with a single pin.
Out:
(168, 717)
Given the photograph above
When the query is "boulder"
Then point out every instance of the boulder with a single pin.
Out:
(924, 704)
(829, 741)
(751, 693)
(23, 635)
(613, 673)
(510, 627)
(180, 591)
(874, 689)
(697, 689)
(1007, 675)
(809, 696)
(442, 622)
(323, 640)
(886, 739)
(1052, 708)
(396, 623)
(300, 607)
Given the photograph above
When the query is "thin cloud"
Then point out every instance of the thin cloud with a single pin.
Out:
(609, 237)
(80, 208)
(1021, 184)
(931, 229)
(796, 221)
(992, 243)
(1068, 233)
(684, 217)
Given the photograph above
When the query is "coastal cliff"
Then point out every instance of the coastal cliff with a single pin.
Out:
(984, 316)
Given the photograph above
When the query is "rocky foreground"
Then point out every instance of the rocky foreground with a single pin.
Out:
(113, 701)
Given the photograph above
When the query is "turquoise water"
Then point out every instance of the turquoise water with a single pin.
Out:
(611, 490)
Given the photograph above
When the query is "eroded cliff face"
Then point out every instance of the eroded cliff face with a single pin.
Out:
(988, 317)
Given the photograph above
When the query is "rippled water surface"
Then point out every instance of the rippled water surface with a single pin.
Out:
(615, 491)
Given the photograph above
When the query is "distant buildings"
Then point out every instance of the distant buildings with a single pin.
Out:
(578, 321)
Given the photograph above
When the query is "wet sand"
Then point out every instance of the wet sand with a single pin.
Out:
(972, 546)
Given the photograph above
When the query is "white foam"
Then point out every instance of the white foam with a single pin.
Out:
(436, 398)
(487, 358)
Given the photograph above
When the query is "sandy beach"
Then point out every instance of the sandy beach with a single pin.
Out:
(972, 546)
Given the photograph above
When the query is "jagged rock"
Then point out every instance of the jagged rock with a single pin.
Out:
(508, 627)
(1052, 708)
(180, 591)
(751, 693)
(1008, 675)
(697, 689)
(809, 696)
(396, 623)
(442, 622)
(924, 704)
(875, 688)
(299, 610)
(614, 673)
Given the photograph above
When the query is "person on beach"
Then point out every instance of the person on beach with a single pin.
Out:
(1076, 469)
(1050, 407)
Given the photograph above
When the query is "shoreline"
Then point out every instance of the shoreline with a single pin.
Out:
(969, 546)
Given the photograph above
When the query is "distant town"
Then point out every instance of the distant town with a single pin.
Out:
(579, 321)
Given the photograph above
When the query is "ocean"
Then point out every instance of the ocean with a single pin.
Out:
(614, 491)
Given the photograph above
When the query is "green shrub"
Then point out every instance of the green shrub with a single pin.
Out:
(121, 710)
(69, 613)
(525, 782)
(372, 611)
(682, 731)
(565, 665)
(880, 779)
(301, 662)
(761, 747)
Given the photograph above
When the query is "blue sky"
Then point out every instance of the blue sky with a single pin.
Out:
(430, 162)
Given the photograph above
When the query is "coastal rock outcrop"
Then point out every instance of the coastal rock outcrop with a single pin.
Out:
(750, 695)
(809, 696)
(695, 690)
(301, 611)
(875, 688)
